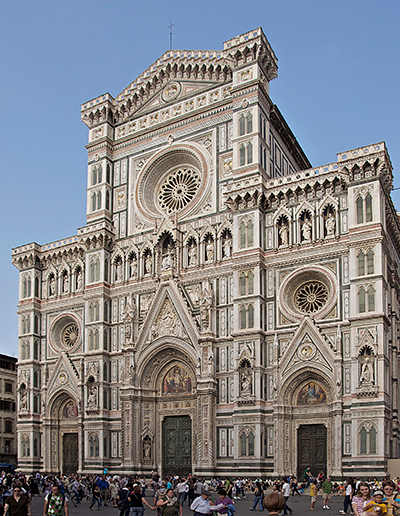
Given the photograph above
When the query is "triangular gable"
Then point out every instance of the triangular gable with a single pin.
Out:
(176, 90)
(308, 346)
(168, 315)
(64, 376)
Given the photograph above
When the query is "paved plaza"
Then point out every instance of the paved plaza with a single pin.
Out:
(299, 504)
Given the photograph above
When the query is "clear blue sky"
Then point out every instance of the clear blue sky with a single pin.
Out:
(338, 88)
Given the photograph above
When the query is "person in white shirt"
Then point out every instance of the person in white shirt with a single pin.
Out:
(286, 494)
(202, 505)
(182, 488)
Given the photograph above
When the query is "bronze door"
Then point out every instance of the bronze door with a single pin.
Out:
(177, 446)
(311, 450)
(70, 453)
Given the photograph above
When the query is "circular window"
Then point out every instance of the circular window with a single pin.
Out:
(65, 333)
(70, 335)
(175, 181)
(311, 297)
(178, 189)
(311, 290)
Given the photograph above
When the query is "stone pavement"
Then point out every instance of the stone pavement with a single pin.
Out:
(299, 504)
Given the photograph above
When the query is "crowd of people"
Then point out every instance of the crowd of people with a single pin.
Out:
(131, 494)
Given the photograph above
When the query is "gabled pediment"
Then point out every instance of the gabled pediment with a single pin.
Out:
(174, 90)
(168, 315)
(308, 347)
(64, 376)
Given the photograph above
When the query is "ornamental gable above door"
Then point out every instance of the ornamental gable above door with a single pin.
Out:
(168, 316)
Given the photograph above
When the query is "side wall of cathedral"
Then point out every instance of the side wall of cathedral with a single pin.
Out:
(225, 301)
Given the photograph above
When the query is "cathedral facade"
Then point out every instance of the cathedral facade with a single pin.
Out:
(227, 308)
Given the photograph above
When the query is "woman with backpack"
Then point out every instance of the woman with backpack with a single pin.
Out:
(169, 504)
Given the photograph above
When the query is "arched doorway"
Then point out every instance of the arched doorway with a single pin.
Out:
(64, 435)
(307, 426)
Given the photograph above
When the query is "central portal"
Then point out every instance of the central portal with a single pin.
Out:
(311, 452)
(177, 446)
(70, 453)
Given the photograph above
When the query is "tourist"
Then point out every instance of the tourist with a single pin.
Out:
(169, 504)
(223, 499)
(286, 494)
(326, 492)
(55, 503)
(17, 504)
(202, 505)
(313, 494)
(136, 500)
(348, 493)
(389, 491)
(274, 503)
(258, 497)
(114, 492)
(103, 486)
(362, 498)
(96, 498)
(376, 505)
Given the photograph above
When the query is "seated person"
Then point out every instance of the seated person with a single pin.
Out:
(274, 503)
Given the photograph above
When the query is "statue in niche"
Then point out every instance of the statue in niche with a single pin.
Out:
(227, 248)
(146, 448)
(119, 271)
(92, 397)
(52, 286)
(330, 224)
(367, 373)
(128, 317)
(284, 234)
(65, 283)
(23, 400)
(210, 251)
(192, 254)
(206, 301)
(79, 280)
(306, 230)
(148, 265)
(132, 267)
(246, 383)
(168, 259)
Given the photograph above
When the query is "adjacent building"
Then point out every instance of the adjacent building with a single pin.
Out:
(228, 307)
(8, 410)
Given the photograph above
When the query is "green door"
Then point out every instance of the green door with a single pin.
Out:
(70, 453)
(311, 453)
(177, 446)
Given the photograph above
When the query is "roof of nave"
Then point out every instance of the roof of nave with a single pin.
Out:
(211, 67)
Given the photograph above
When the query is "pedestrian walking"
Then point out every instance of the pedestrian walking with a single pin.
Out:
(313, 494)
(17, 504)
(326, 492)
(55, 503)
(258, 497)
(96, 498)
(348, 495)
(136, 500)
(286, 494)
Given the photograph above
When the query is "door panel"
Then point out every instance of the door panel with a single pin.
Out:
(70, 453)
(177, 446)
(311, 452)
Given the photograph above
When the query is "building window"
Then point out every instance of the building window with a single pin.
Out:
(94, 270)
(367, 440)
(249, 123)
(97, 173)
(361, 263)
(249, 152)
(93, 445)
(364, 209)
(8, 426)
(8, 387)
(366, 299)
(98, 200)
(247, 445)
(93, 202)
(242, 126)
(370, 262)
(250, 317)
(246, 234)
(242, 155)
(26, 287)
(242, 316)
(246, 316)
(365, 263)
(242, 283)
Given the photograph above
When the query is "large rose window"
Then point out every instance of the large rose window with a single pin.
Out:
(65, 333)
(178, 189)
(70, 335)
(174, 181)
(311, 296)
